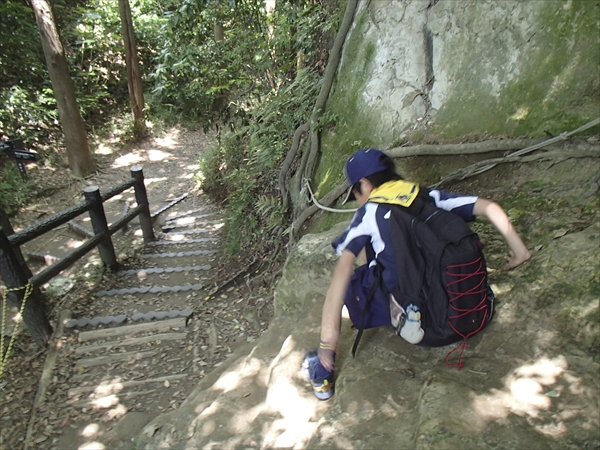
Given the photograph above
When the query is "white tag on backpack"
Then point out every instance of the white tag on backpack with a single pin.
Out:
(397, 314)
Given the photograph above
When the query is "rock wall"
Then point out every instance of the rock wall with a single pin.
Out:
(435, 70)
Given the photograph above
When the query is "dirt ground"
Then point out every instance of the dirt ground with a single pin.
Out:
(170, 162)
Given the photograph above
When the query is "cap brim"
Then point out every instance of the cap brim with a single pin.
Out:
(349, 197)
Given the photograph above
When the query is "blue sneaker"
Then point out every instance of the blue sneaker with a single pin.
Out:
(321, 379)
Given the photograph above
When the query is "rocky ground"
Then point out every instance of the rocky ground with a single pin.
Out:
(227, 305)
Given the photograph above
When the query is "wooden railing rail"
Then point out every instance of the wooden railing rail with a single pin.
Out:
(16, 274)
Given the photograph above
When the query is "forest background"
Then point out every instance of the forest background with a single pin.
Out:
(248, 72)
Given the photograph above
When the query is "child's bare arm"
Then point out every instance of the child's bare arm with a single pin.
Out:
(332, 308)
(495, 214)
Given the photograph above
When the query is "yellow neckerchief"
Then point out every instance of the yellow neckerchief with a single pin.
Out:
(398, 192)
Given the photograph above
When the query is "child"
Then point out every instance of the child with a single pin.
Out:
(373, 179)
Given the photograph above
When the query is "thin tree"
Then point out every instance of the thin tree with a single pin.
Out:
(80, 159)
(134, 77)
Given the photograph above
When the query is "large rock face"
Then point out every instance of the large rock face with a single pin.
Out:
(509, 67)
(435, 70)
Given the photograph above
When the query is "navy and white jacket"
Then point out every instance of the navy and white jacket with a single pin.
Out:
(370, 229)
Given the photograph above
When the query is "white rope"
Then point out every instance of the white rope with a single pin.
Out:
(326, 208)
(561, 137)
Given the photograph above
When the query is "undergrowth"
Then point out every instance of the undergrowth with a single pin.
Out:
(14, 191)
(242, 167)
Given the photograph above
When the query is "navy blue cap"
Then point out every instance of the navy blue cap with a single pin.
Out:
(363, 163)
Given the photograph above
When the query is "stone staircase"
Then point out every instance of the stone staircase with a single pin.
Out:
(149, 334)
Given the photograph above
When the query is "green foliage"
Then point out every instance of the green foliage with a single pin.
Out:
(26, 115)
(307, 27)
(243, 167)
(21, 54)
(27, 106)
(14, 192)
(212, 81)
(248, 84)
(201, 78)
(91, 35)
(90, 32)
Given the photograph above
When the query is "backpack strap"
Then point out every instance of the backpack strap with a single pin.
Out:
(377, 283)
(414, 209)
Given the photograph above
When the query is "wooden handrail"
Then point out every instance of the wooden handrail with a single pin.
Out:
(16, 274)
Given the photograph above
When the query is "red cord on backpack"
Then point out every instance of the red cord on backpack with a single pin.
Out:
(460, 364)
(477, 290)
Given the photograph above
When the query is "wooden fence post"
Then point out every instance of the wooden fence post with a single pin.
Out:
(14, 276)
(100, 226)
(8, 230)
(141, 197)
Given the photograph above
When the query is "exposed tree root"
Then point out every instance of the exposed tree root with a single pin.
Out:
(289, 159)
(554, 155)
(331, 197)
(461, 149)
(309, 158)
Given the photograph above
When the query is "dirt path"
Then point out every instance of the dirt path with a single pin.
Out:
(156, 326)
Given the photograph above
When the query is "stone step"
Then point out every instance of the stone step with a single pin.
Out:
(122, 318)
(180, 233)
(188, 221)
(178, 254)
(169, 205)
(172, 242)
(163, 270)
(150, 289)
(156, 357)
(175, 215)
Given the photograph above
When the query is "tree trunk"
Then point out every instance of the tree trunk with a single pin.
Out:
(80, 159)
(219, 31)
(309, 158)
(134, 77)
(221, 101)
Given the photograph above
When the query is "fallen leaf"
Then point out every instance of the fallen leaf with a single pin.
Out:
(537, 248)
(65, 421)
(552, 393)
(560, 233)
(151, 430)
